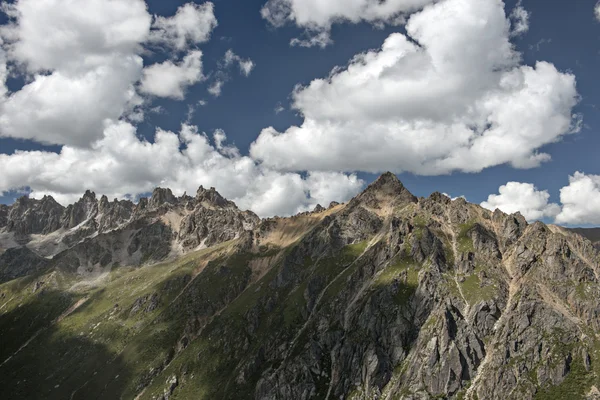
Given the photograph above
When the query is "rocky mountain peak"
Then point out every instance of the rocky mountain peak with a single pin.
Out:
(31, 216)
(389, 184)
(103, 204)
(114, 214)
(212, 197)
(440, 198)
(85, 208)
(319, 208)
(161, 196)
(386, 190)
(89, 196)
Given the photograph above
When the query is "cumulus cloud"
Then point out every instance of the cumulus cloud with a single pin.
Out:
(81, 61)
(3, 72)
(317, 17)
(246, 65)
(580, 200)
(191, 24)
(75, 37)
(121, 165)
(169, 79)
(71, 109)
(82, 67)
(519, 18)
(448, 97)
(597, 11)
(524, 198)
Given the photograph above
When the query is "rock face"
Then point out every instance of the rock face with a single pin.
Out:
(19, 262)
(112, 215)
(4, 210)
(30, 216)
(84, 209)
(91, 235)
(385, 297)
(592, 234)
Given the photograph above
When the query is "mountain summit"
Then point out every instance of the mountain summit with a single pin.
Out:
(384, 297)
(387, 189)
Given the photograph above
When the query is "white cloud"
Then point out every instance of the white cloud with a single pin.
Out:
(220, 138)
(168, 79)
(192, 108)
(318, 16)
(222, 75)
(216, 87)
(3, 72)
(246, 65)
(450, 98)
(82, 66)
(71, 109)
(81, 60)
(121, 164)
(75, 36)
(597, 11)
(524, 198)
(519, 19)
(191, 24)
(312, 39)
(581, 200)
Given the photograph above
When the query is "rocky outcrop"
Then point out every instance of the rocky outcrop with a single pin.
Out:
(30, 216)
(89, 231)
(212, 198)
(115, 214)
(83, 210)
(209, 226)
(592, 234)
(386, 190)
(18, 262)
(161, 196)
(4, 210)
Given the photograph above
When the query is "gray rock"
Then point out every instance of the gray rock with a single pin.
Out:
(18, 262)
(84, 209)
(29, 216)
(161, 196)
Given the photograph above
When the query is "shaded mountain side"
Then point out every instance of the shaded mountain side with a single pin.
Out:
(385, 297)
(592, 234)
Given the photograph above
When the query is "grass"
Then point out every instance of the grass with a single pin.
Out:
(404, 272)
(85, 344)
(464, 241)
(574, 386)
(474, 292)
(340, 267)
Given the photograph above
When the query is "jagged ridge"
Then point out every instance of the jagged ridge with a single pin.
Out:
(385, 297)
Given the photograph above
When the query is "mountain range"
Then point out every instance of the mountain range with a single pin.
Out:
(387, 296)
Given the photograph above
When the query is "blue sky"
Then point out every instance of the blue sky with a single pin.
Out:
(565, 34)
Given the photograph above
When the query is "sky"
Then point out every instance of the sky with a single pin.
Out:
(284, 104)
